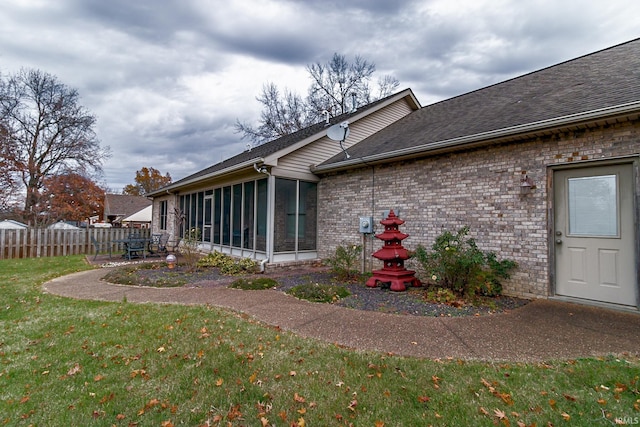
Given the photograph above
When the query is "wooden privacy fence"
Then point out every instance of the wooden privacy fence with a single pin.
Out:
(44, 242)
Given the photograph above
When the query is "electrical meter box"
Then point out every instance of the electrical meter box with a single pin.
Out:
(366, 224)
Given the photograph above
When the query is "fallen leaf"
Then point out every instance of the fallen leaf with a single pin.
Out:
(301, 422)
(219, 382)
(565, 416)
(298, 398)
(423, 399)
(76, 368)
(500, 414)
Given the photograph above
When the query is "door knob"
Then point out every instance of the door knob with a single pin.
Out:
(558, 233)
(558, 241)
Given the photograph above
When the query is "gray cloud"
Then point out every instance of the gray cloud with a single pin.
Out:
(167, 80)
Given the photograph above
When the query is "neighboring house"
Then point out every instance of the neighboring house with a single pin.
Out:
(9, 224)
(543, 168)
(119, 206)
(140, 219)
(263, 203)
(61, 225)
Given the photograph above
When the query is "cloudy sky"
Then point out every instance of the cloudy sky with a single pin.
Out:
(168, 79)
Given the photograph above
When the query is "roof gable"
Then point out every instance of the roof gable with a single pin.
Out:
(597, 82)
(283, 146)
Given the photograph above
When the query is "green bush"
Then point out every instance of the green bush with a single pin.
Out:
(316, 292)
(456, 263)
(228, 264)
(255, 284)
(344, 262)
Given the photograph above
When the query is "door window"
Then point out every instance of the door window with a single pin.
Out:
(593, 206)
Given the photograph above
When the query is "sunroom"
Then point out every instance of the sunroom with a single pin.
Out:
(263, 203)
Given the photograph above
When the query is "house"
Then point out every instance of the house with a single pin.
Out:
(119, 206)
(263, 203)
(543, 168)
(61, 225)
(9, 224)
(139, 219)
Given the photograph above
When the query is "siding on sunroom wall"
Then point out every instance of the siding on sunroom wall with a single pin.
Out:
(323, 149)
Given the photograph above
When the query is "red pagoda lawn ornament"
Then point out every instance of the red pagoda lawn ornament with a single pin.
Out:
(393, 256)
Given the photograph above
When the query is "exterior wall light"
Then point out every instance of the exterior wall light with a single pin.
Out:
(526, 185)
(171, 261)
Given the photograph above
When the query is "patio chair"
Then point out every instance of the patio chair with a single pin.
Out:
(158, 243)
(98, 246)
(134, 247)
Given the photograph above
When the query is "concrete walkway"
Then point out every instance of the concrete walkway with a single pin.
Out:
(541, 330)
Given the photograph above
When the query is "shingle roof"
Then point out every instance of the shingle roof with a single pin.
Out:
(607, 78)
(276, 145)
(124, 204)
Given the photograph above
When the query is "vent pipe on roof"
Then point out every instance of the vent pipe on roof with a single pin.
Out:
(326, 117)
(354, 102)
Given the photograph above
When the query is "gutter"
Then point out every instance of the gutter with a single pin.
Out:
(214, 174)
(483, 136)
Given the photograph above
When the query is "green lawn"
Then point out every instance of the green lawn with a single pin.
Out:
(81, 363)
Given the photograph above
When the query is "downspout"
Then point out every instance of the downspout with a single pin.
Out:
(263, 169)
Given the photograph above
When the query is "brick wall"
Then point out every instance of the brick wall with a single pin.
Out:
(479, 188)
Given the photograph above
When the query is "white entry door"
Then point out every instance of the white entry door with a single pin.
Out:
(594, 234)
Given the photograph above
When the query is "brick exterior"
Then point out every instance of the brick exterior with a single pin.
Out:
(477, 187)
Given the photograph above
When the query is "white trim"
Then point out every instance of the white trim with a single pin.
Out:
(200, 178)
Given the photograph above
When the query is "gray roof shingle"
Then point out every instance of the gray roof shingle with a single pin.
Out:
(607, 78)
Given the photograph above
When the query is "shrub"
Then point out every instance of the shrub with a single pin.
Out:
(344, 262)
(456, 263)
(227, 264)
(319, 293)
(441, 295)
(189, 248)
(255, 284)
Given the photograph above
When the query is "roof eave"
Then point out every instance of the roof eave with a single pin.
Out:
(582, 117)
(231, 169)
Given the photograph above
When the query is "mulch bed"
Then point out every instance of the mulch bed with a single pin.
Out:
(410, 302)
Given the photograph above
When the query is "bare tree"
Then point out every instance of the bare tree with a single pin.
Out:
(49, 131)
(337, 87)
(337, 81)
(281, 115)
(7, 171)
